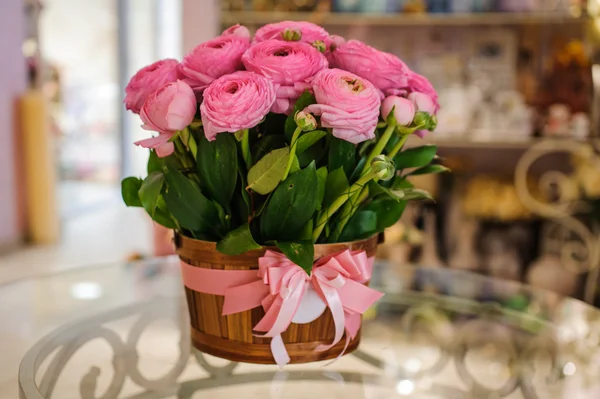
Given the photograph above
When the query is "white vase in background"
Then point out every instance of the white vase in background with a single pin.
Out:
(427, 277)
(465, 255)
(502, 260)
(429, 253)
(548, 273)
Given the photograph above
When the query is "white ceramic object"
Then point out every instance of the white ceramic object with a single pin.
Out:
(429, 254)
(547, 272)
(465, 256)
(310, 308)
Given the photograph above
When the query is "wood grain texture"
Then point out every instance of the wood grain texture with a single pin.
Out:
(231, 337)
(301, 352)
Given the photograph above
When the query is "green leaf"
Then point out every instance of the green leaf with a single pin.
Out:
(398, 194)
(267, 144)
(362, 225)
(267, 173)
(162, 215)
(342, 153)
(295, 165)
(307, 231)
(388, 212)
(400, 183)
(314, 153)
(322, 178)
(358, 170)
(155, 164)
(429, 169)
(309, 139)
(150, 191)
(337, 184)
(238, 241)
(224, 218)
(376, 190)
(186, 203)
(415, 194)
(272, 125)
(260, 206)
(301, 253)
(305, 99)
(217, 164)
(415, 157)
(243, 202)
(292, 204)
(130, 187)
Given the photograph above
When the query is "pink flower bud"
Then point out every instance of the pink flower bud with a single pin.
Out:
(305, 121)
(383, 167)
(404, 110)
(166, 111)
(423, 102)
(237, 30)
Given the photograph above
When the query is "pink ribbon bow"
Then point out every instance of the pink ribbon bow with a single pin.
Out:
(337, 279)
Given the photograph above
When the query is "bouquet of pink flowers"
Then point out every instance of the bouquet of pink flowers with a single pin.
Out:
(291, 138)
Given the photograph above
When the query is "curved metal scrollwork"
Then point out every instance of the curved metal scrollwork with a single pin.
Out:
(581, 253)
(456, 328)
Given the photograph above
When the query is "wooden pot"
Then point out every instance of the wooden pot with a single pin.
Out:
(231, 337)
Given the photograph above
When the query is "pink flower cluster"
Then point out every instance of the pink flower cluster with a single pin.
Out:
(234, 81)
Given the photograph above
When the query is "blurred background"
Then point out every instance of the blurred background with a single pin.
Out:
(517, 81)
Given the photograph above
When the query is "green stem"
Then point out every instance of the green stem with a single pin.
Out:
(339, 201)
(292, 152)
(387, 135)
(191, 144)
(350, 208)
(246, 148)
(182, 152)
(398, 146)
(347, 212)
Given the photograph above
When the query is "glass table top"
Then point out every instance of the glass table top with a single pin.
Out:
(121, 331)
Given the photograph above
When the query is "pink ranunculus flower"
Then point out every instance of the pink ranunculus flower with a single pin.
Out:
(423, 102)
(166, 111)
(332, 43)
(237, 30)
(346, 103)
(309, 31)
(420, 84)
(236, 101)
(424, 96)
(288, 65)
(404, 110)
(213, 59)
(148, 80)
(386, 71)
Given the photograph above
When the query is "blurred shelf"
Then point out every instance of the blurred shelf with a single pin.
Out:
(465, 143)
(400, 19)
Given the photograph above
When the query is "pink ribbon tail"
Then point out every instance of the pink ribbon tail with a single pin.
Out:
(333, 301)
(279, 352)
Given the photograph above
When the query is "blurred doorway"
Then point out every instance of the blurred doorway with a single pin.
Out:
(89, 47)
